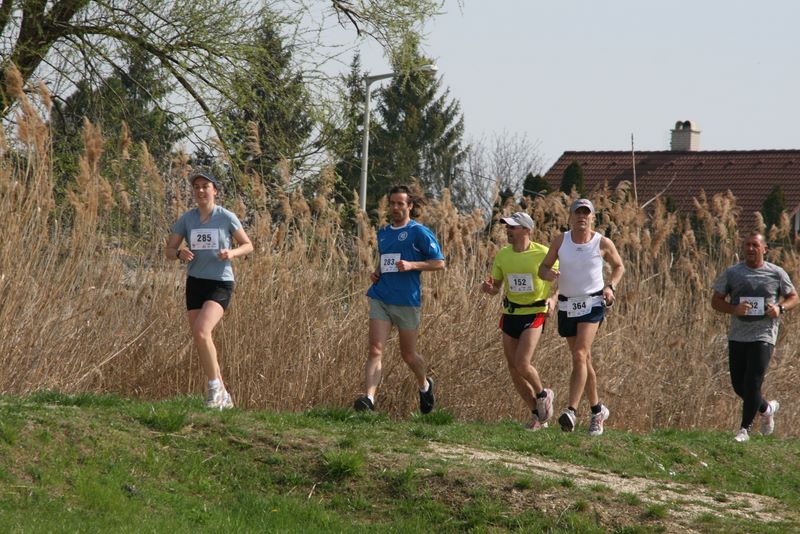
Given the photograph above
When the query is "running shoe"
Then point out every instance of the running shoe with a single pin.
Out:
(596, 425)
(535, 424)
(741, 435)
(567, 420)
(768, 417)
(227, 401)
(544, 405)
(363, 404)
(218, 398)
(426, 400)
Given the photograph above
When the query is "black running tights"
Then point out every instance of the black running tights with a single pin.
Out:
(748, 363)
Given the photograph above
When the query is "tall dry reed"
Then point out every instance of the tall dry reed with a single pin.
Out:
(83, 309)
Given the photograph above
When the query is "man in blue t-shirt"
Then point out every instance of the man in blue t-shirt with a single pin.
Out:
(406, 249)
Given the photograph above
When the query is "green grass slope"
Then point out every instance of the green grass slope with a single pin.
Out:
(104, 464)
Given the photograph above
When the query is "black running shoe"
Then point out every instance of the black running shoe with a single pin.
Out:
(363, 404)
(426, 400)
(567, 420)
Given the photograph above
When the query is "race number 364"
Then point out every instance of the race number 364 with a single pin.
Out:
(578, 306)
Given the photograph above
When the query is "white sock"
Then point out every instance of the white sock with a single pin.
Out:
(426, 388)
(371, 399)
(214, 384)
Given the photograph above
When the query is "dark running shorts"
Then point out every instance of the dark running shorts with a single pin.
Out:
(199, 290)
(515, 325)
(568, 326)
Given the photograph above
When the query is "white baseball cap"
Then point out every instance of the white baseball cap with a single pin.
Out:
(519, 218)
(582, 203)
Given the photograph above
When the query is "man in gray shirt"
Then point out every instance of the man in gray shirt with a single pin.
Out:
(755, 293)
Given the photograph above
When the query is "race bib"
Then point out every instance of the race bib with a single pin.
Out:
(204, 239)
(520, 283)
(756, 305)
(389, 263)
(579, 306)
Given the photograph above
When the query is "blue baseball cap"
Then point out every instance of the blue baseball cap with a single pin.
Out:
(206, 175)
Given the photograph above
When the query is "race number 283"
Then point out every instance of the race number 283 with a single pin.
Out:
(389, 263)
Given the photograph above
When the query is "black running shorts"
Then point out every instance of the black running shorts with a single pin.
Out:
(199, 290)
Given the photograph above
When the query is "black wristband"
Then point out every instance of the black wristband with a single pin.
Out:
(178, 253)
(611, 287)
(781, 308)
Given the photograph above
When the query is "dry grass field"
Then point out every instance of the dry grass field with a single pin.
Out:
(84, 307)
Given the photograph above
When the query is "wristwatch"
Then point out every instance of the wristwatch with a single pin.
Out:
(611, 287)
(781, 308)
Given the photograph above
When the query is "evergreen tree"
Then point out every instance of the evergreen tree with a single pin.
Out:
(346, 140)
(773, 206)
(133, 95)
(417, 135)
(573, 178)
(535, 185)
(270, 118)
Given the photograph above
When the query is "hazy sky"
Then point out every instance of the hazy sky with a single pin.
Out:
(586, 74)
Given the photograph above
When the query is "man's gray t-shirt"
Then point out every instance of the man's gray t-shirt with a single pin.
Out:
(760, 286)
(206, 240)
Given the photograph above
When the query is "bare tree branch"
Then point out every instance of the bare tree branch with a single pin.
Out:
(660, 192)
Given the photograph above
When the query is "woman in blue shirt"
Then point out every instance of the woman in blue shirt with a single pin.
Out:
(209, 231)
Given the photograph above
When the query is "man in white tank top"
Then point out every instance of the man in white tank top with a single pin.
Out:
(583, 296)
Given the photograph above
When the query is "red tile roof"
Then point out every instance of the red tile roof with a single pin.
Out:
(750, 175)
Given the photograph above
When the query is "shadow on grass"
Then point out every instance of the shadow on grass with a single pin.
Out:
(161, 417)
(80, 399)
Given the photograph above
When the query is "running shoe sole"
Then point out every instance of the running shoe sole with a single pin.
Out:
(567, 423)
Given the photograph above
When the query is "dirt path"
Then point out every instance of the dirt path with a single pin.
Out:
(685, 502)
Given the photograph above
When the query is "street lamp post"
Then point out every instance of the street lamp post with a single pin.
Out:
(368, 80)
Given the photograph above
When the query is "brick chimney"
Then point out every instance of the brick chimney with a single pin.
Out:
(685, 137)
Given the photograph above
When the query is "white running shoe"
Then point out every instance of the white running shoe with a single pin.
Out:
(544, 406)
(227, 401)
(596, 425)
(741, 435)
(567, 420)
(218, 399)
(535, 424)
(768, 417)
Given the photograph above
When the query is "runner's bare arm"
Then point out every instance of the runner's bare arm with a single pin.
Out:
(426, 265)
(244, 246)
(173, 246)
(546, 271)
(491, 286)
(720, 303)
(609, 252)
